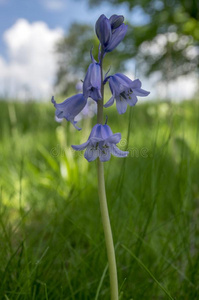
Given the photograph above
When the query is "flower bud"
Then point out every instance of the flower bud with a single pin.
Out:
(116, 21)
(103, 30)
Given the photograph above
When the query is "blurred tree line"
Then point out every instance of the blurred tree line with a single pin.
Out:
(167, 42)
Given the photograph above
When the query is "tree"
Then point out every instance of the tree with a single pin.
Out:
(169, 42)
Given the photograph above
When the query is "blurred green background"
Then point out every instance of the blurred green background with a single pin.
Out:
(51, 237)
(52, 244)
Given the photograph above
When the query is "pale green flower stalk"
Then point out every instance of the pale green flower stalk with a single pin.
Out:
(104, 207)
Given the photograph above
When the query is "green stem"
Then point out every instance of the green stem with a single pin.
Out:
(104, 207)
(107, 233)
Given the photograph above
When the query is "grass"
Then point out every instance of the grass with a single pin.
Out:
(51, 237)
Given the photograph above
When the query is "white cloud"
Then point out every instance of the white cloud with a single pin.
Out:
(31, 66)
(54, 5)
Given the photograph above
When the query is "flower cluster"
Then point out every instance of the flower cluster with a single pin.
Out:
(102, 142)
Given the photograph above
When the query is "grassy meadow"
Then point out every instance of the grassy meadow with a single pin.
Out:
(51, 237)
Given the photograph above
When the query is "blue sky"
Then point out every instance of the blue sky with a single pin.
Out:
(37, 10)
(27, 27)
(57, 13)
(29, 30)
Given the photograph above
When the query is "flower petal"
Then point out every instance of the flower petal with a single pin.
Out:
(80, 147)
(91, 154)
(105, 155)
(136, 87)
(92, 77)
(95, 140)
(132, 100)
(141, 92)
(117, 37)
(96, 131)
(95, 76)
(121, 105)
(136, 84)
(110, 102)
(117, 152)
(74, 124)
(116, 21)
(123, 79)
(115, 85)
(103, 30)
(95, 94)
(105, 131)
(114, 139)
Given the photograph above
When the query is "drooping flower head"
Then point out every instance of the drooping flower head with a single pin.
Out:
(110, 32)
(92, 81)
(125, 91)
(103, 30)
(101, 143)
(70, 108)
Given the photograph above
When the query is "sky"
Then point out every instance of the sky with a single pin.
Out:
(29, 31)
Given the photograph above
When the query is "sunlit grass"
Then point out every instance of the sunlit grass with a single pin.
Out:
(52, 244)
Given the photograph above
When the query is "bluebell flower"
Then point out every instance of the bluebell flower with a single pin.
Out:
(103, 30)
(110, 32)
(101, 143)
(92, 81)
(125, 91)
(70, 108)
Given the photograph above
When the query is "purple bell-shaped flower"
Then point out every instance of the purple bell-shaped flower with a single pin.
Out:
(92, 81)
(125, 91)
(103, 30)
(70, 108)
(101, 143)
(110, 32)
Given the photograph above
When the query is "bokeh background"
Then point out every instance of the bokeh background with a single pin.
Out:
(44, 44)
(51, 237)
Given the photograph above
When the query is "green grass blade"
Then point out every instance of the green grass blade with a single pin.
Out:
(101, 281)
(148, 271)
